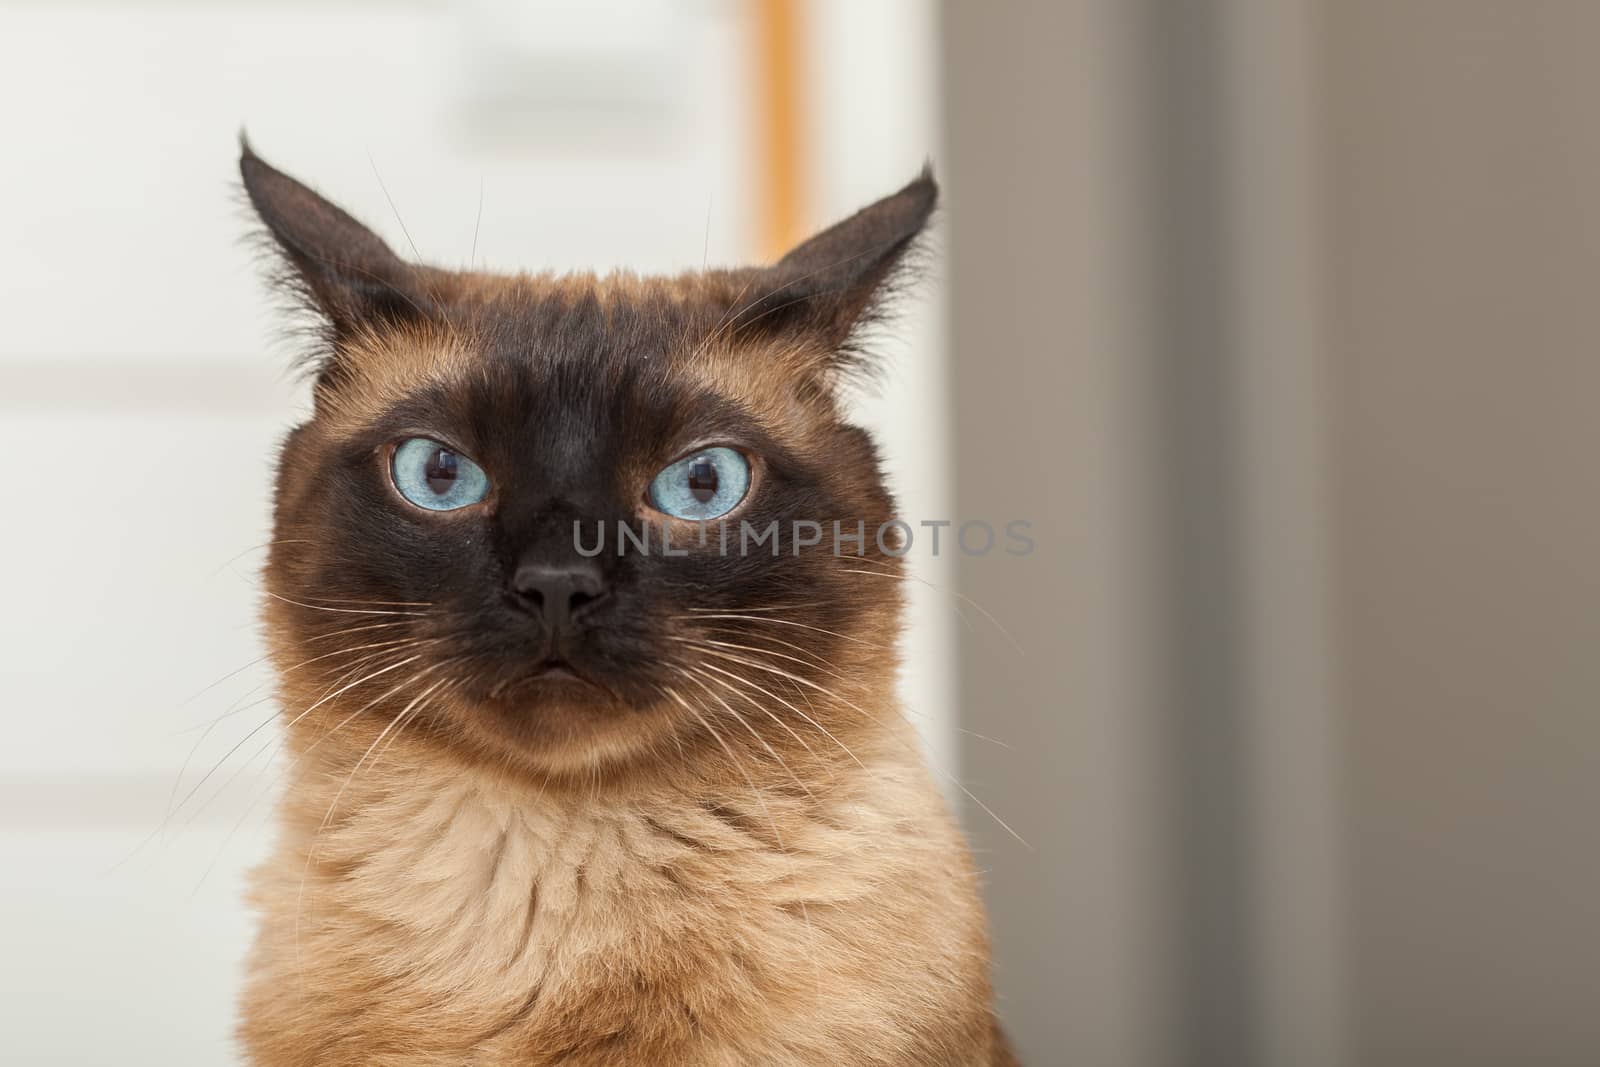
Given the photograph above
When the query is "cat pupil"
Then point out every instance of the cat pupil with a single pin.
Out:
(703, 480)
(441, 471)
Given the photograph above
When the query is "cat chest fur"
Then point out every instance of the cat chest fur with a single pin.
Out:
(479, 920)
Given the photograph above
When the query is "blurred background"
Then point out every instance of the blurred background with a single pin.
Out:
(1276, 318)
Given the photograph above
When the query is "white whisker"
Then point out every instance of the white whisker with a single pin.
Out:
(753, 733)
(856, 707)
(347, 611)
(787, 622)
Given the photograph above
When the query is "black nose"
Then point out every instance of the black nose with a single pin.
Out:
(558, 592)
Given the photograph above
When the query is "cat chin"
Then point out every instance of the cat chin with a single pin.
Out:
(561, 725)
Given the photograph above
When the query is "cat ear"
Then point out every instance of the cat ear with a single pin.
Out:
(343, 270)
(835, 282)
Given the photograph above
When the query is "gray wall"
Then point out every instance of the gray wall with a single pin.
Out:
(1466, 414)
(1051, 379)
(1278, 319)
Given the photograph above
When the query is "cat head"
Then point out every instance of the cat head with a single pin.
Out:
(562, 522)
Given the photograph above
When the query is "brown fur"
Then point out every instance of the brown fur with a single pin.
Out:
(753, 870)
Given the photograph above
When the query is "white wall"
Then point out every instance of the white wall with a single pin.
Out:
(142, 393)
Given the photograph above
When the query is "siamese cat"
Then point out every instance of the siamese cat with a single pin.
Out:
(650, 805)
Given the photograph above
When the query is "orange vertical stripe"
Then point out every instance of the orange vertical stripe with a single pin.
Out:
(779, 134)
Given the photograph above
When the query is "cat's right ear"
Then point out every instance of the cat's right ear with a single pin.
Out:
(344, 271)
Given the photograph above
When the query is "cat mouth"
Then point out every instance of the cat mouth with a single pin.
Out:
(558, 674)
(556, 670)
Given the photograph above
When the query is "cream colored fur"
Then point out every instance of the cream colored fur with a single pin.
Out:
(446, 915)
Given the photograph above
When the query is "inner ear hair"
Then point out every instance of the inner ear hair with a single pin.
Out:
(835, 283)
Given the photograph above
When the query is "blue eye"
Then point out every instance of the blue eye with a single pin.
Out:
(702, 486)
(434, 476)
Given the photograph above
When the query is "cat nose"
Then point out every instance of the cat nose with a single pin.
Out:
(559, 591)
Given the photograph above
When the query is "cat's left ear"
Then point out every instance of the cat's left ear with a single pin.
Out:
(344, 270)
(832, 284)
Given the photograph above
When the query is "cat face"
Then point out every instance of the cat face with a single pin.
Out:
(520, 520)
